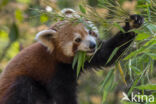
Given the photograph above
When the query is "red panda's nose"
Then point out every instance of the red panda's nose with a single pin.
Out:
(92, 45)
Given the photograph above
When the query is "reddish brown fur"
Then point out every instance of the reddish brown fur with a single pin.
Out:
(36, 62)
(31, 62)
(65, 33)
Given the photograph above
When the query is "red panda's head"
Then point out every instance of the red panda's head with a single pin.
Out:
(66, 38)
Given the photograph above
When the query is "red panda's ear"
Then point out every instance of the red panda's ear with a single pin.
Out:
(70, 13)
(45, 38)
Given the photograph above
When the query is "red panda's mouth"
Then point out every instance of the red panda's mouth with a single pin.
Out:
(91, 51)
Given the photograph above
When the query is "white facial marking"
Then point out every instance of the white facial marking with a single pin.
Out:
(84, 46)
(70, 15)
(40, 38)
(63, 11)
(67, 50)
(41, 33)
(91, 38)
(76, 35)
(93, 27)
(86, 30)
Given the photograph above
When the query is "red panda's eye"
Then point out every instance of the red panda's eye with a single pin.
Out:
(78, 40)
(92, 33)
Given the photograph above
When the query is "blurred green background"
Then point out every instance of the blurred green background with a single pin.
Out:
(20, 20)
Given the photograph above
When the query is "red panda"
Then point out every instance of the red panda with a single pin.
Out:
(43, 74)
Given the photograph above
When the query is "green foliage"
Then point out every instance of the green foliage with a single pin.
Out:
(43, 18)
(147, 87)
(140, 61)
(112, 55)
(107, 79)
(142, 36)
(3, 3)
(20, 22)
(14, 33)
(65, 3)
(79, 59)
(82, 9)
(24, 1)
(19, 15)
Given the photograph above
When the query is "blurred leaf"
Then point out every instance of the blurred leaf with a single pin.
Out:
(13, 50)
(14, 33)
(74, 61)
(150, 42)
(136, 70)
(152, 55)
(152, 66)
(121, 73)
(151, 28)
(108, 86)
(124, 102)
(142, 49)
(3, 3)
(24, 1)
(3, 40)
(80, 59)
(110, 73)
(112, 55)
(119, 27)
(148, 10)
(66, 3)
(3, 35)
(19, 15)
(133, 86)
(83, 59)
(43, 18)
(82, 9)
(79, 64)
(147, 87)
(142, 36)
(93, 2)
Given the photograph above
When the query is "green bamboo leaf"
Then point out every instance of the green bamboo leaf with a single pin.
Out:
(3, 3)
(148, 11)
(152, 55)
(19, 15)
(108, 87)
(83, 59)
(80, 60)
(121, 73)
(82, 9)
(136, 70)
(147, 87)
(75, 61)
(112, 55)
(150, 42)
(43, 18)
(131, 55)
(24, 1)
(125, 102)
(151, 28)
(109, 75)
(145, 47)
(133, 86)
(152, 66)
(142, 36)
(14, 33)
(119, 27)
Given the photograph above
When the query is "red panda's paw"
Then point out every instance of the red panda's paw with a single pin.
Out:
(136, 21)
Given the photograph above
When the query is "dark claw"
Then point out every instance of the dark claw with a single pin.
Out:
(137, 20)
